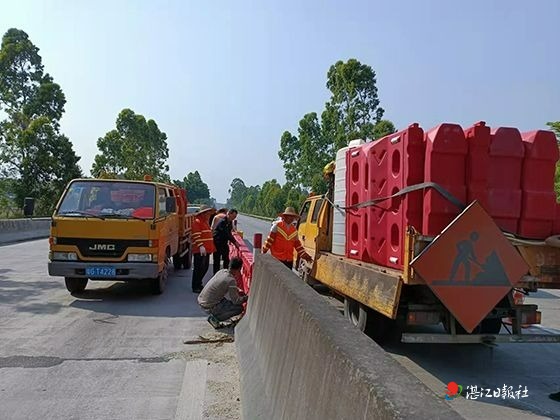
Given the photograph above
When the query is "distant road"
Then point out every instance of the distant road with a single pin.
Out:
(250, 226)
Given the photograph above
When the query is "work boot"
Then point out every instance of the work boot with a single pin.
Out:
(214, 322)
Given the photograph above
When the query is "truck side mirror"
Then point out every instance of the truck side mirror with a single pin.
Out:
(170, 205)
(28, 206)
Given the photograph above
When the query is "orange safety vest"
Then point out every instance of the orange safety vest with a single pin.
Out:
(202, 235)
(282, 240)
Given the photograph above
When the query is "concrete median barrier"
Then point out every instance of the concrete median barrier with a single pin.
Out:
(17, 230)
(300, 359)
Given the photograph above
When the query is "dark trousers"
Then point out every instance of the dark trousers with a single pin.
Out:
(289, 264)
(199, 270)
(222, 253)
(225, 309)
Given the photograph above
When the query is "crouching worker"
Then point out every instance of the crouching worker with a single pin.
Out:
(220, 297)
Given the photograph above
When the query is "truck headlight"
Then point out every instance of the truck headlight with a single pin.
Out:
(65, 256)
(140, 257)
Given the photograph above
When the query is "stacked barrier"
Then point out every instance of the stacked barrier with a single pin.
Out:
(393, 162)
(539, 198)
(504, 181)
(478, 163)
(445, 163)
(356, 192)
(510, 174)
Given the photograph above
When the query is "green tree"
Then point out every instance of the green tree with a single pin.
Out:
(271, 198)
(383, 128)
(197, 190)
(294, 196)
(266, 200)
(136, 147)
(305, 156)
(555, 126)
(237, 193)
(33, 152)
(352, 112)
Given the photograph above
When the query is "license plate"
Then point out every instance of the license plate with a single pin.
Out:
(101, 271)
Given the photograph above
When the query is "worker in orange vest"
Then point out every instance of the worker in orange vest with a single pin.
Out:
(283, 239)
(202, 246)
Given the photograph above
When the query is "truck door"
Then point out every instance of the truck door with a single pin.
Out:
(308, 227)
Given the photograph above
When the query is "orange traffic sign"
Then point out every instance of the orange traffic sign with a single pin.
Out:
(470, 266)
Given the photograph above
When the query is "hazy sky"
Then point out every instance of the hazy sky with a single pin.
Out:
(224, 79)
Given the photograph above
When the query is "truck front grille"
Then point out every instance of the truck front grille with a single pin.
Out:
(111, 248)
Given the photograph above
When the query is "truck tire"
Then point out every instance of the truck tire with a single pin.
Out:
(375, 325)
(356, 313)
(158, 284)
(75, 284)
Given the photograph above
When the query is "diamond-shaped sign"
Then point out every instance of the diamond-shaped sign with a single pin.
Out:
(470, 266)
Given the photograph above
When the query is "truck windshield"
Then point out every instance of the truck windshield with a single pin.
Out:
(106, 199)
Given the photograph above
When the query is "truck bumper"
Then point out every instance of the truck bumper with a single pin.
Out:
(480, 338)
(125, 271)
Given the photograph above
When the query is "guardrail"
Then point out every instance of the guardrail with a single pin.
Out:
(246, 256)
(299, 359)
(17, 230)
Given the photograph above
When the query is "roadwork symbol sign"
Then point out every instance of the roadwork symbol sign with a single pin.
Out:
(471, 266)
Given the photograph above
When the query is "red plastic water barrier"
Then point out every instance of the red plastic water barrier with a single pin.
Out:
(478, 163)
(445, 159)
(244, 283)
(538, 204)
(504, 177)
(393, 163)
(356, 192)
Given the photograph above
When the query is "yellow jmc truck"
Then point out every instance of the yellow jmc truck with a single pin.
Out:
(107, 229)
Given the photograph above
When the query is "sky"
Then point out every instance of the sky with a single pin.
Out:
(225, 79)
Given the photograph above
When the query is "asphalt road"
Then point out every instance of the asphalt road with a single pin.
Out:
(536, 366)
(114, 351)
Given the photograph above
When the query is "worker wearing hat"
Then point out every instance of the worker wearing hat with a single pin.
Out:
(283, 239)
(202, 246)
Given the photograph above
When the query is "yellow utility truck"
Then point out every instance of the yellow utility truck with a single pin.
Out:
(470, 276)
(109, 229)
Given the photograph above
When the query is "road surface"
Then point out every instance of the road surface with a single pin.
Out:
(114, 351)
(536, 366)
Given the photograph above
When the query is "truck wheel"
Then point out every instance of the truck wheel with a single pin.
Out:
(356, 313)
(75, 284)
(158, 284)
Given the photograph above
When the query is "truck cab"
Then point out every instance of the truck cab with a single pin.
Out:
(314, 226)
(106, 229)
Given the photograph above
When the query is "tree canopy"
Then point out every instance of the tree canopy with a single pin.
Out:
(352, 112)
(136, 147)
(197, 189)
(37, 158)
(268, 200)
